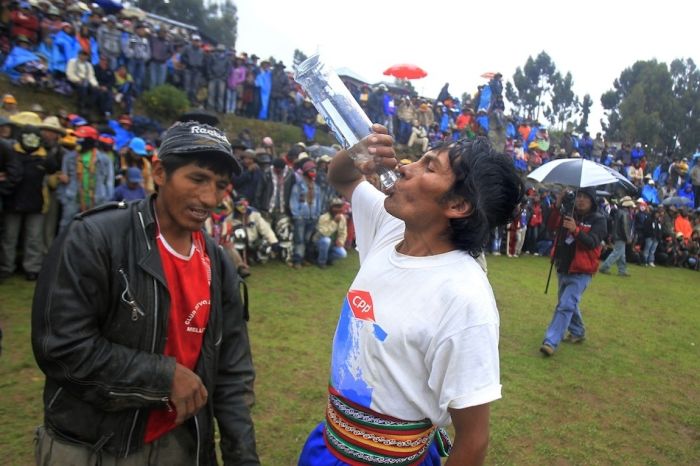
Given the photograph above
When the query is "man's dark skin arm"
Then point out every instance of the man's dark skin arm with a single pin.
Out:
(343, 173)
(471, 435)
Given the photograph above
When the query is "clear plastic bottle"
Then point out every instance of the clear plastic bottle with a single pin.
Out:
(339, 108)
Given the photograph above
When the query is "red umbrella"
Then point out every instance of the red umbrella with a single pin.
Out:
(405, 71)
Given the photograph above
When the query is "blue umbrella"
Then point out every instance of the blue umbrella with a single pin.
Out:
(110, 6)
(677, 201)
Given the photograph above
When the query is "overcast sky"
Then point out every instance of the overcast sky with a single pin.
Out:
(456, 41)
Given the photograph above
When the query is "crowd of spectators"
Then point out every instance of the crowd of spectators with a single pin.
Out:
(107, 60)
(282, 206)
(638, 232)
(55, 166)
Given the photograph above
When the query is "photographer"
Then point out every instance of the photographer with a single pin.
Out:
(580, 230)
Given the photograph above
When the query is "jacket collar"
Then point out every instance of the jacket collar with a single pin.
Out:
(146, 224)
(150, 261)
(40, 152)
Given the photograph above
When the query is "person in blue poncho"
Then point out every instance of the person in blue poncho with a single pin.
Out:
(122, 131)
(637, 152)
(686, 191)
(16, 60)
(264, 82)
(649, 192)
(65, 47)
(45, 49)
(485, 98)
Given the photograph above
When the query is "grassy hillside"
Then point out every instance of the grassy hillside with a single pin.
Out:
(283, 135)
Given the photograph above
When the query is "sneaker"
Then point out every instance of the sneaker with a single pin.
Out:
(31, 276)
(546, 350)
(496, 253)
(624, 274)
(651, 264)
(604, 271)
(296, 266)
(574, 338)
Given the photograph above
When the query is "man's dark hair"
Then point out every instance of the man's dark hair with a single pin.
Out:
(488, 181)
(214, 162)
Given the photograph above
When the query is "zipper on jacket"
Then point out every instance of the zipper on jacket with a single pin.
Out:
(131, 433)
(155, 315)
(136, 311)
(54, 397)
(143, 229)
(164, 399)
(196, 428)
(153, 342)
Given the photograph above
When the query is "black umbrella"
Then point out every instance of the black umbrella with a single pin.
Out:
(578, 173)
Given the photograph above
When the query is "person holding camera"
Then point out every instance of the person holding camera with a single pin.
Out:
(580, 230)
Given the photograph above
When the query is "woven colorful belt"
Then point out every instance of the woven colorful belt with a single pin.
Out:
(360, 436)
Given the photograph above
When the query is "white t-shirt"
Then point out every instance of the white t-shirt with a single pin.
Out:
(416, 335)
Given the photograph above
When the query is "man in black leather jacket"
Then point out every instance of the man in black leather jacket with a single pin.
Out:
(110, 306)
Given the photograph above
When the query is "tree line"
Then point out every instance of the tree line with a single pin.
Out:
(650, 102)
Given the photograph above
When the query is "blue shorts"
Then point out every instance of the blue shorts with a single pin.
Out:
(315, 452)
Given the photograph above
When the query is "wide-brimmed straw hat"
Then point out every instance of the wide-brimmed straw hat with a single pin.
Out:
(52, 124)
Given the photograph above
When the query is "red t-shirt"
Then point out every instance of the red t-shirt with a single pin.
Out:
(188, 280)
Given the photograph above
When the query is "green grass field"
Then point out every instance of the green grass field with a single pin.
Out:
(628, 395)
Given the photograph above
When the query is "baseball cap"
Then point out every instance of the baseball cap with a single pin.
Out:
(138, 145)
(189, 138)
(106, 138)
(308, 166)
(86, 132)
(133, 175)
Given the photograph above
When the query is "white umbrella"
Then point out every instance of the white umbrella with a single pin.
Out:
(579, 173)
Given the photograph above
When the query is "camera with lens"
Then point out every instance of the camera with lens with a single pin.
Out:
(567, 203)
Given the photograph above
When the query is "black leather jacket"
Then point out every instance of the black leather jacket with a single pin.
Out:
(99, 325)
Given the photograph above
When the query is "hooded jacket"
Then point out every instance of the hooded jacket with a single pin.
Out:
(580, 252)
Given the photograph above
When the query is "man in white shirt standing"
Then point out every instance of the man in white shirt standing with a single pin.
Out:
(416, 345)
